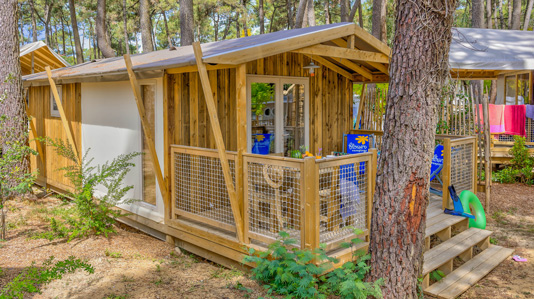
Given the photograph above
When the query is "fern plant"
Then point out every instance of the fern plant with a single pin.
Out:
(32, 278)
(92, 215)
(300, 273)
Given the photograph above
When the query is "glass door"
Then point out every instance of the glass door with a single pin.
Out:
(277, 114)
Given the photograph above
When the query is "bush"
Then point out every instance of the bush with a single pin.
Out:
(520, 167)
(92, 215)
(290, 271)
(32, 278)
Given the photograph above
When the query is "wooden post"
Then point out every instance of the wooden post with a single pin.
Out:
(214, 121)
(446, 171)
(360, 107)
(167, 166)
(34, 136)
(487, 153)
(146, 127)
(310, 174)
(64, 120)
(371, 172)
(241, 117)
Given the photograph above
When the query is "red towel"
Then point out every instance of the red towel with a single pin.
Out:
(514, 119)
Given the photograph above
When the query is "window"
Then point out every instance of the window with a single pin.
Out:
(517, 89)
(54, 110)
(277, 114)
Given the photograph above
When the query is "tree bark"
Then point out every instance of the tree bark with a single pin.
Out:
(125, 27)
(489, 24)
(144, 24)
(301, 11)
(311, 13)
(75, 33)
(169, 40)
(493, 91)
(289, 15)
(516, 15)
(34, 24)
(344, 10)
(327, 12)
(12, 105)
(510, 14)
(477, 21)
(261, 16)
(101, 32)
(379, 20)
(418, 70)
(357, 6)
(527, 15)
(186, 22)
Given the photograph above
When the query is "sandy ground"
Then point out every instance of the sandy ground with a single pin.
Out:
(134, 265)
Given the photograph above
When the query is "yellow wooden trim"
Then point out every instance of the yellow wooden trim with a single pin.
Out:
(64, 120)
(357, 68)
(145, 125)
(381, 67)
(34, 136)
(338, 52)
(371, 40)
(241, 122)
(332, 66)
(446, 171)
(214, 121)
(194, 68)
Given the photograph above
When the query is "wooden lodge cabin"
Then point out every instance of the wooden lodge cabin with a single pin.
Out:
(34, 57)
(502, 55)
(197, 112)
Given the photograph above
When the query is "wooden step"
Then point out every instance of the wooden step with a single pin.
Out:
(443, 224)
(469, 273)
(448, 250)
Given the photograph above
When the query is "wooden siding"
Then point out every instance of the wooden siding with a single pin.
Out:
(330, 104)
(49, 126)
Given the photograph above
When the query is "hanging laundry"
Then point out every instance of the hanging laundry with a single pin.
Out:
(514, 120)
(496, 118)
(530, 111)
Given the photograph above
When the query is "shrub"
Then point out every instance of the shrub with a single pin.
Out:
(32, 278)
(520, 167)
(290, 271)
(92, 215)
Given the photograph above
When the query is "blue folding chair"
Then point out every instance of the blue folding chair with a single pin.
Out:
(436, 167)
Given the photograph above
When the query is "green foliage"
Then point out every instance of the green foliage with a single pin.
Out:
(521, 165)
(261, 93)
(437, 275)
(91, 215)
(32, 278)
(293, 272)
(113, 254)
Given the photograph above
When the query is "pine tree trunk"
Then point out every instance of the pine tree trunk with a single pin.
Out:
(289, 15)
(516, 15)
(169, 40)
(300, 13)
(344, 10)
(527, 15)
(311, 13)
(34, 23)
(12, 105)
(144, 24)
(327, 12)
(477, 21)
(79, 50)
(186, 22)
(488, 14)
(125, 27)
(101, 32)
(261, 16)
(379, 20)
(418, 70)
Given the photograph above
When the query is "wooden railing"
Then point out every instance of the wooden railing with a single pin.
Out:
(198, 188)
(459, 165)
(314, 201)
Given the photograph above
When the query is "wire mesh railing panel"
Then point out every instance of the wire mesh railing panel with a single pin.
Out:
(200, 189)
(462, 166)
(343, 200)
(529, 134)
(274, 200)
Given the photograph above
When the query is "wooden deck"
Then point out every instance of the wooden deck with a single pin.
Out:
(463, 254)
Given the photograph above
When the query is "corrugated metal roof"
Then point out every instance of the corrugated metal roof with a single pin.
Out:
(491, 49)
(152, 64)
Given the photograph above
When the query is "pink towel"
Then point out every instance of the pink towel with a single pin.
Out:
(514, 119)
(496, 118)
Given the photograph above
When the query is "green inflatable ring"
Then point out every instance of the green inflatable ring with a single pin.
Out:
(468, 200)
